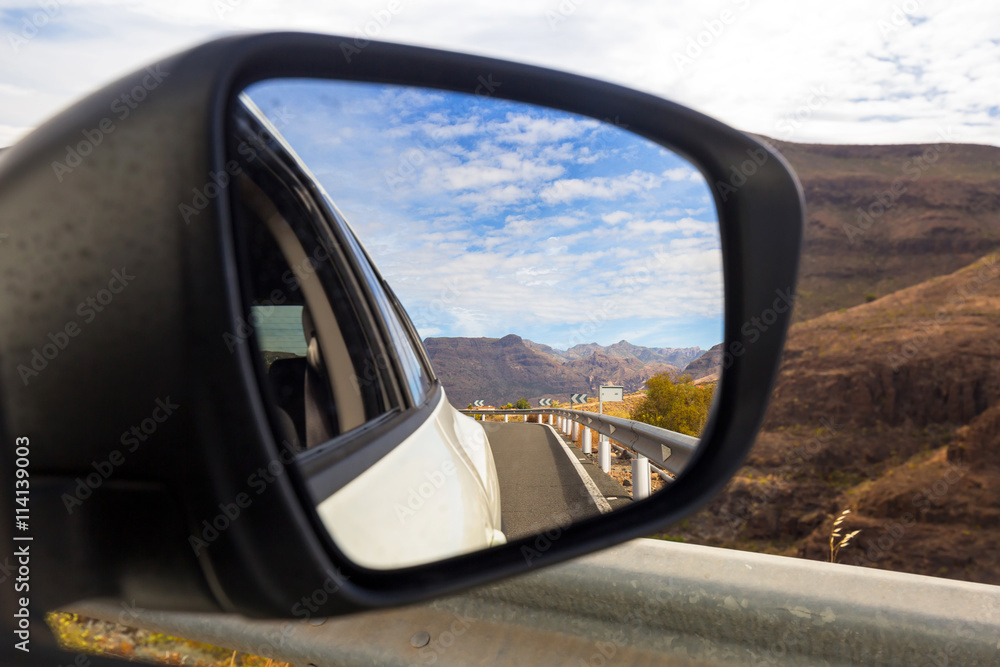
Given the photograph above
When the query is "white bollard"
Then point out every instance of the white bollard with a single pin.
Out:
(506, 418)
(586, 441)
(524, 418)
(551, 420)
(640, 478)
(576, 431)
(604, 452)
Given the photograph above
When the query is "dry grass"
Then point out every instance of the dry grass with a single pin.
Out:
(87, 635)
(839, 541)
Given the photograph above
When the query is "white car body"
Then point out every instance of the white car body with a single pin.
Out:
(435, 495)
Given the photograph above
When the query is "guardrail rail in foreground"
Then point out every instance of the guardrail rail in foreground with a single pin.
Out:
(646, 602)
(664, 449)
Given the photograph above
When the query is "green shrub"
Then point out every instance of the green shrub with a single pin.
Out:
(677, 405)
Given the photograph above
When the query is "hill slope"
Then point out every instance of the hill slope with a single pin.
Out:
(673, 356)
(881, 218)
(707, 364)
(499, 370)
(892, 409)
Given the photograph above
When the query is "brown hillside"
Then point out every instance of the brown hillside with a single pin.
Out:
(926, 354)
(891, 409)
(497, 370)
(940, 214)
(706, 365)
(501, 370)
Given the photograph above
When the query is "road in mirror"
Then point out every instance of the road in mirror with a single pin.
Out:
(540, 255)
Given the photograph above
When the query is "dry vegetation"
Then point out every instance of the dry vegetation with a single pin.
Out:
(87, 635)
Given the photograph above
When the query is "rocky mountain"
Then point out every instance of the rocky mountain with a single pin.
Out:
(501, 370)
(673, 356)
(557, 355)
(496, 370)
(882, 218)
(707, 364)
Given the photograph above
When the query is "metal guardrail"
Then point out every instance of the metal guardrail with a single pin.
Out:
(664, 449)
(645, 602)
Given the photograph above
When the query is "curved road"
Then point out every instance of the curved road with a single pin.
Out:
(546, 482)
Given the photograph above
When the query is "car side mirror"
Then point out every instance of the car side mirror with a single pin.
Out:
(226, 403)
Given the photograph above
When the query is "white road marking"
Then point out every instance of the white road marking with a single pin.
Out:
(595, 493)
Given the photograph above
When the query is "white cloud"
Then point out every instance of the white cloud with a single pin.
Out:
(525, 129)
(616, 217)
(496, 169)
(685, 226)
(493, 198)
(937, 73)
(598, 187)
(680, 174)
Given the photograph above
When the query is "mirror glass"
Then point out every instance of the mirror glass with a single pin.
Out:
(520, 257)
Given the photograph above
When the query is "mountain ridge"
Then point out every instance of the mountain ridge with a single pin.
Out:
(501, 370)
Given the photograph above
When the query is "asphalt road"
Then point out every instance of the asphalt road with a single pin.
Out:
(540, 485)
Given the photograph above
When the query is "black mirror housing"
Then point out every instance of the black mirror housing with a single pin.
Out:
(147, 435)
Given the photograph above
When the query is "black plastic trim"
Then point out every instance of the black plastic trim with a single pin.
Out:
(164, 335)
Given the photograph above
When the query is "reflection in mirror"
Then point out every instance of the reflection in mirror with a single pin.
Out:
(541, 256)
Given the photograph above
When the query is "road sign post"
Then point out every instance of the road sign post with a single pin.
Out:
(611, 394)
(574, 428)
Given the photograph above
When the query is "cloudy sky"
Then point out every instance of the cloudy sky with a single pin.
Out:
(857, 71)
(489, 217)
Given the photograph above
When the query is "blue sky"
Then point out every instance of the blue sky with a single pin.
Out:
(490, 217)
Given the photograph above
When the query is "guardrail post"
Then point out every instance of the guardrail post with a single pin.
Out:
(586, 441)
(505, 418)
(524, 418)
(640, 478)
(551, 420)
(604, 452)
(576, 431)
